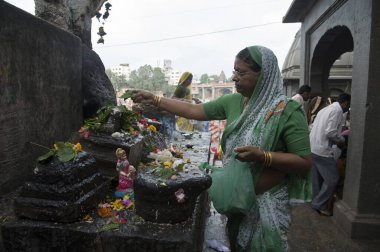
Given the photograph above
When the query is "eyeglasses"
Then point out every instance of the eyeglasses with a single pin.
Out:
(239, 74)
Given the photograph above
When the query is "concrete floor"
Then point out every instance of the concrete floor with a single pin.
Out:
(309, 232)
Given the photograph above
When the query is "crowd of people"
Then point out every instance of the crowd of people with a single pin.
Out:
(266, 134)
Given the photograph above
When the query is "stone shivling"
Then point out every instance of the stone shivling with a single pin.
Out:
(59, 207)
(62, 192)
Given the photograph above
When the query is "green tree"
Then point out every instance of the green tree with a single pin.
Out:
(148, 78)
(204, 78)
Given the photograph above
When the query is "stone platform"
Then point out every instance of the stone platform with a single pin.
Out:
(136, 235)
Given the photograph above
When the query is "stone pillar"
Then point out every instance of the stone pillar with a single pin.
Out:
(359, 211)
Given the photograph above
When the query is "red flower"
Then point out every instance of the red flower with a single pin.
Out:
(84, 132)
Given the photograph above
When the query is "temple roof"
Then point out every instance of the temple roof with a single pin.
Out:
(298, 10)
(341, 68)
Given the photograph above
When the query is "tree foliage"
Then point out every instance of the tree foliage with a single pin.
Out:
(148, 78)
(204, 78)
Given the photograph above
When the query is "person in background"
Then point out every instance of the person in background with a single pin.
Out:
(266, 133)
(303, 95)
(315, 105)
(325, 133)
(183, 92)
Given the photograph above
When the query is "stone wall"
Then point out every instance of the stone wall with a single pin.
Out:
(40, 91)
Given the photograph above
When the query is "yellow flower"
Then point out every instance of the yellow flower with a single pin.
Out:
(117, 205)
(152, 128)
(55, 147)
(77, 148)
(168, 164)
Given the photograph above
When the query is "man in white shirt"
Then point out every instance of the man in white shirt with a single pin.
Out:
(303, 95)
(325, 133)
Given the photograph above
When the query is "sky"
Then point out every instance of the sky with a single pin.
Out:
(200, 36)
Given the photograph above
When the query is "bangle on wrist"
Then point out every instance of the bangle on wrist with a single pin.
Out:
(267, 159)
(156, 100)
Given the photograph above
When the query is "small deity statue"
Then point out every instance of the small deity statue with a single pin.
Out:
(126, 173)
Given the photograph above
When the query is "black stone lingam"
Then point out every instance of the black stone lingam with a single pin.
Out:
(103, 146)
(62, 192)
(155, 199)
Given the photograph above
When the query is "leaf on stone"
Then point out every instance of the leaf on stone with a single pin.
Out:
(180, 167)
(46, 156)
(109, 226)
(65, 151)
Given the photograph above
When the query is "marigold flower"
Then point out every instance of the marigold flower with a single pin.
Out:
(168, 164)
(77, 148)
(152, 128)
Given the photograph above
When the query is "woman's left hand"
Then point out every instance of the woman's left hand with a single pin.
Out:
(249, 154)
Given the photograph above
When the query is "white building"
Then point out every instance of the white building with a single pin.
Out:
(122, 69)
(174, 77)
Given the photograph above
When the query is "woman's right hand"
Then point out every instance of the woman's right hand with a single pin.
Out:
(142, 96)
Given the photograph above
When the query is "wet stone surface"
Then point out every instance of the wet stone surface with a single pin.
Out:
(61, 192)
(155, 198)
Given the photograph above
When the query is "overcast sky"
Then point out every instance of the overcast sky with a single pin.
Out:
(212, 31)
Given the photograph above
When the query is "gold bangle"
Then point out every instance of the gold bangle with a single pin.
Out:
(269, 159)
(265, 158)
(156, 101)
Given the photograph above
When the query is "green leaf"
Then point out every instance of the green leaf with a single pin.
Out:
(180, 167)
(46, 156)
(109, 227)
(127, 94)
(65, 152)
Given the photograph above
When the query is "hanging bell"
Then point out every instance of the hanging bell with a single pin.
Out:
(100, 41)
(101, 32)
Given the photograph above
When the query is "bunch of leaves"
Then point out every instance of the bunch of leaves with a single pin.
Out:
(64, 151)
(163, 173)
(129, 118)
(102, 115)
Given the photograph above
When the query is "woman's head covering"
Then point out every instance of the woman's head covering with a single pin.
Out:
(251, 127)
(184, 77)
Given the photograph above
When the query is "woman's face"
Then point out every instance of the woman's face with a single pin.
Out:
(245, 78)
(187, 82)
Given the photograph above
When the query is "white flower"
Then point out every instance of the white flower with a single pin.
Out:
(117, 135)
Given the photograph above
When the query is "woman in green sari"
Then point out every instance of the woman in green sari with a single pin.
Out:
(266, 133)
